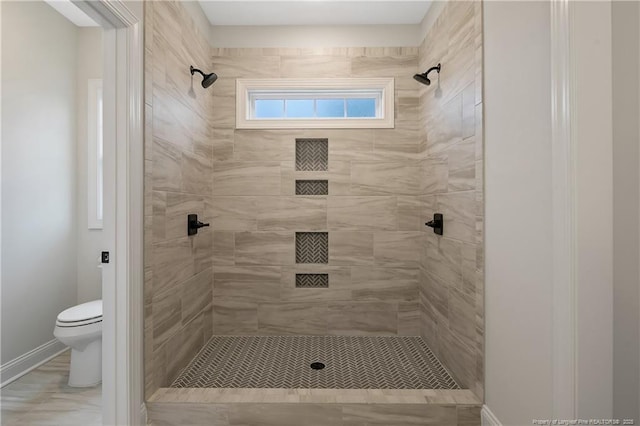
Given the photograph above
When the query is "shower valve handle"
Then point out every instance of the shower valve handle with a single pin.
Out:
(437, 223)
(193, 224)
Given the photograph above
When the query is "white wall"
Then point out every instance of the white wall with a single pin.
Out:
(519, 336)
(626, 202)
(90, 241)
(593, 134)
(38, 173)
(518, 293)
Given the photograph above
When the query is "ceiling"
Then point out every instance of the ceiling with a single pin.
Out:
(72, 13)
(315, 12)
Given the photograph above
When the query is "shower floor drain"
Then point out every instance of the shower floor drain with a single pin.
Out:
(317, 365)
(290, 362)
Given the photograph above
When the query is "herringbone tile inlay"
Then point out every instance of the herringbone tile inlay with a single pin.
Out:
(312, 247)
(358, 362)
(312, 280)
(312, 154)
(312, 187)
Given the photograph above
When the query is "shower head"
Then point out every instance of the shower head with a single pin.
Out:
(424, 77)
(207, 79)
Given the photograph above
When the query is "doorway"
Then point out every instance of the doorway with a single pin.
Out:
(122, 214)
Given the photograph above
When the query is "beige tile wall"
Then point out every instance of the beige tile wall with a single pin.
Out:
(451, 273)
(307, 414)
(178, 181)
(372, 212)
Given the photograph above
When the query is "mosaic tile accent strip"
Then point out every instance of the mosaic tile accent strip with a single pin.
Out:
(312, 154)
(312, 187)
(351, 362)
(312, 280)
(312, 247)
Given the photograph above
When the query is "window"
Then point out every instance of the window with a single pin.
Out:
(314, 103)
(94, 153)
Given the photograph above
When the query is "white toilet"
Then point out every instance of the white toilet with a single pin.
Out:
(80, 328)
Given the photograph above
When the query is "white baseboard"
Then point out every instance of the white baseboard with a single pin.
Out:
(488, 418)
(20, 366)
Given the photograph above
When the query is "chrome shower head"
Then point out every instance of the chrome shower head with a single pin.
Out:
(207, 79)
(424, 77)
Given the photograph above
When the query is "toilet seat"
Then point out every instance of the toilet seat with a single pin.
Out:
(78, 323)
(81, 315)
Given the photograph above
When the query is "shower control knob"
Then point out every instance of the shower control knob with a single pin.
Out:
(437, 223)
(193, 224)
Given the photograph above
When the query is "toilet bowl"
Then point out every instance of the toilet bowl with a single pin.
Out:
(80, 328)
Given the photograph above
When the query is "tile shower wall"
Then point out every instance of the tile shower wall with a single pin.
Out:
(372, 213)
(451, 273)
(178, 179)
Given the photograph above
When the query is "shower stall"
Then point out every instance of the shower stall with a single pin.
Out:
(317, 295)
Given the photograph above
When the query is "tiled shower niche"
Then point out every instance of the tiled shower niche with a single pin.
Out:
(312, 280)
(312, 155)
(312, 187)
(312, 247)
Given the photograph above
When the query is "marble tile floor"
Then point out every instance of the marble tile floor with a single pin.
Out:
(43, 397)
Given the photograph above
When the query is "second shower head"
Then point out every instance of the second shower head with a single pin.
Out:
(424, 77)
(207, 79)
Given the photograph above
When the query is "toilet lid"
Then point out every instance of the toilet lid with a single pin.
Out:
(83, 312)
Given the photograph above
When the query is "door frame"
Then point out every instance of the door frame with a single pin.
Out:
(123, 277)
(582, 210)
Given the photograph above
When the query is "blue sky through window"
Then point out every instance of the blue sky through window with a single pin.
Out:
(361, 107)
(330, 108)
(315, 108)
(300, 108)
(269, 108)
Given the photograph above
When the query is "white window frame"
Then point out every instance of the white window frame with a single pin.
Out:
(94, 154)
(287, 88)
